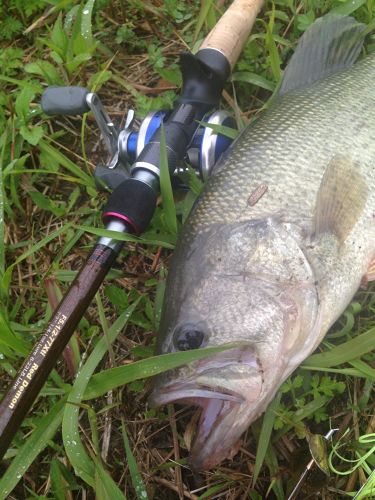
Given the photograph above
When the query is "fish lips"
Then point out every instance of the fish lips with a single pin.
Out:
(225, 387)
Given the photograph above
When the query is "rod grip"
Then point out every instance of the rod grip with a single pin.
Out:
(233, 28)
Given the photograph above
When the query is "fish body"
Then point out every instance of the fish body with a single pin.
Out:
(274, 249)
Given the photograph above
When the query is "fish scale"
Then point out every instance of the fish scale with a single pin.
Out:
(278, 242)
(301, 133)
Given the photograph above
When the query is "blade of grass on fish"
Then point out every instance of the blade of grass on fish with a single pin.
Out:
(75, 450)
(138, 484)
(169, 207)
(352, 349)
(108, 380)
(45, 429)
(124, 236)
(34, 248)
(265, 435)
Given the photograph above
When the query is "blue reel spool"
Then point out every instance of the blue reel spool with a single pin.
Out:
(205, 149)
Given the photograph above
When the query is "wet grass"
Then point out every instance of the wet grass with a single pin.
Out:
(91, 432)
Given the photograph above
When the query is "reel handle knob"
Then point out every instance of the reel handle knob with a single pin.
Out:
(65, 101)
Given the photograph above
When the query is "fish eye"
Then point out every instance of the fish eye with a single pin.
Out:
(188, 337)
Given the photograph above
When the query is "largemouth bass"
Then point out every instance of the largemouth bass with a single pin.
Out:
(279, 241)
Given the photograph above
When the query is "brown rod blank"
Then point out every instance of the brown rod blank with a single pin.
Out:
(35, 370)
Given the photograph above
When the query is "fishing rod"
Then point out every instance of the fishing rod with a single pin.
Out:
(132, 202)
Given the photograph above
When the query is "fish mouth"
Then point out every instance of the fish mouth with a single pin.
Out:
(223, 387)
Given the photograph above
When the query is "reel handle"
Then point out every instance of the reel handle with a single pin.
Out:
(66, 101)
(233, 29)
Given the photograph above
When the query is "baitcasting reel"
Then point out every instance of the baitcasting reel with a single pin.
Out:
(125, 145)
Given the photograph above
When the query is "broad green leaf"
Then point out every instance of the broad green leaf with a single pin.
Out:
(46, 70)
(58, 35)
(23, 102)
(32, 134)
(45, 429)
(35, 87)
(115, 377)
(86, 23)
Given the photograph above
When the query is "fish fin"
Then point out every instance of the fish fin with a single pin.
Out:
(331, 44)
(341, 198)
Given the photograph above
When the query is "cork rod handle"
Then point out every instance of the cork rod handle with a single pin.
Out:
(232, 30)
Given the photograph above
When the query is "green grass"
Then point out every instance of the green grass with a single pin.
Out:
(94, 433)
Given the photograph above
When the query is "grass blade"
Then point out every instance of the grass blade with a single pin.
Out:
(108, 380)
(105, 487)
(138, 484)
(166, 187)
(2, 197)
(45, 429)
(203, 14)
(34, 248)
(9, 339)
(124, 236)
(254, 79)
(265, 435)
(59, 158)
(348, 7)
(348, 351)
(75, 450)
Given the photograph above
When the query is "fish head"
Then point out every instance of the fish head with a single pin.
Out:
(257, 316)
